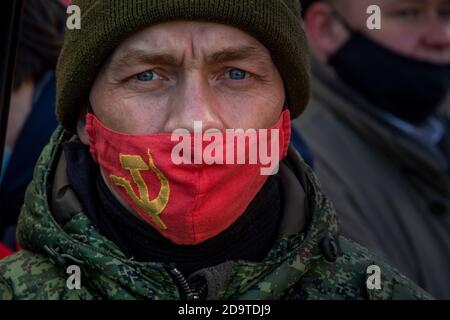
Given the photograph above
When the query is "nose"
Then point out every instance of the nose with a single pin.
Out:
(194, 100)
(437, 35)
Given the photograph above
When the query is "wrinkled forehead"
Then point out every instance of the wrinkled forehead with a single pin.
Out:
(173, 42)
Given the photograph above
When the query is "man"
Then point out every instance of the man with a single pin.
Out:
(380, 151)
(120, 200)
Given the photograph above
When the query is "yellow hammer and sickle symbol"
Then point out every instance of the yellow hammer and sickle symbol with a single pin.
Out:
(155, 207)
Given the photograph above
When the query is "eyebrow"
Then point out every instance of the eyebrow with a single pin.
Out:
(133, 56)
(409, 1)
(235, 53)
(421, 1)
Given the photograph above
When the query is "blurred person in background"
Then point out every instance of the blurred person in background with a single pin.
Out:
(32, 117)
(380, 150)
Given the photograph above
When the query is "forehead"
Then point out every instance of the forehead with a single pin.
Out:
(383, 3)
(195, 36)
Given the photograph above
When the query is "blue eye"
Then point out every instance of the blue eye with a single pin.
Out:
(237, 74)
(146, 76)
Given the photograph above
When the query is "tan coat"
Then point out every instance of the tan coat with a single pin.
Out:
(391, 192)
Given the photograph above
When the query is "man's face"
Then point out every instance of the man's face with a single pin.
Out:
(419, 29)
(169, 75)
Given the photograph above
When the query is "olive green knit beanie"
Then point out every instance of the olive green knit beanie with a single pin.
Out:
(105, 23)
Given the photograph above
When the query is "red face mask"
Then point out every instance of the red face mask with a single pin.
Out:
(192, 193)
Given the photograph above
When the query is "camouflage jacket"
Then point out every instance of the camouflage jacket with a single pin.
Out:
(308, 262)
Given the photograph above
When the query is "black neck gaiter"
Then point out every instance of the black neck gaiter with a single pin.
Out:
(249, 238)
(405, 87)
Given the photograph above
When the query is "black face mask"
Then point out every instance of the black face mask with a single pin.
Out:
(408, 88)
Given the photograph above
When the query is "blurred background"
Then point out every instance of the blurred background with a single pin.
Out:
(378, 127)
(31, 118)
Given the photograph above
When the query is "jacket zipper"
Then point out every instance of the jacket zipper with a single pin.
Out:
(187, 290)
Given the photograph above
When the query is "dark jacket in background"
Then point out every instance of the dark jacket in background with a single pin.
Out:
(34, 136)
(300, 145)
(391, 191)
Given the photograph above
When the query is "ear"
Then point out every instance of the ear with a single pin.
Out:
(81, 128)
(325, 33)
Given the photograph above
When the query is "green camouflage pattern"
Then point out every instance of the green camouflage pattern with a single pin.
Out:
(295, 268)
